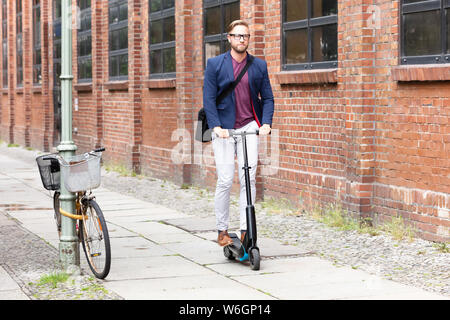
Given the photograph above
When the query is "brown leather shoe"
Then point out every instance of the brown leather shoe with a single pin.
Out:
(224, 239)
(243, 237)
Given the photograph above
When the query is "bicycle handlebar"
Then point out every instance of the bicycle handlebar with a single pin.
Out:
(55, 155)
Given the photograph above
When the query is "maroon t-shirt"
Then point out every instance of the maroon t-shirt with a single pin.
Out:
(244, 111)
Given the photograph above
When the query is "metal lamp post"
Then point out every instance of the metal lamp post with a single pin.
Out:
(69, 250)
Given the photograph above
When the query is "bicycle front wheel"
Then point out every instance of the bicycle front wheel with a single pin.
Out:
(95, 239)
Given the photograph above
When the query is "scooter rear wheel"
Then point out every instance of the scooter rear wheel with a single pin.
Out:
(254, 259)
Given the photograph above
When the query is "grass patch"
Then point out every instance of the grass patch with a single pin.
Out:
(53, 279)
(442, 247)
(13, 145)
(276, 206)
(398, 229)
(334, 216)
(120, 169)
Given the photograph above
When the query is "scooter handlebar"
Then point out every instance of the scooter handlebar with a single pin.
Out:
(233, 132)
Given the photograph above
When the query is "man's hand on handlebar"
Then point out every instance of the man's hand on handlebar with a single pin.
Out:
(221, 133)
(264, 129)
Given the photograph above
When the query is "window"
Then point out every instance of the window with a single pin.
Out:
(36, 42)
(118, 39)
(84, 41)
(162, 38)
(425, 31)
(217, 15)
(57, 42)
(19, 43)
(309, 34)
(5, 43)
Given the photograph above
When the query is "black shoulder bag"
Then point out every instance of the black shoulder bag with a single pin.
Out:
(203, 132)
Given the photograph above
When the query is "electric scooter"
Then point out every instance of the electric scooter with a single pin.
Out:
(248, 249)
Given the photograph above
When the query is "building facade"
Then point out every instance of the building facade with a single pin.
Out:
(361, 87)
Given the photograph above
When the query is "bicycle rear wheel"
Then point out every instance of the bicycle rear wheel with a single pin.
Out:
(95, 239)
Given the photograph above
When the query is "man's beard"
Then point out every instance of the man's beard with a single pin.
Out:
(242, 49)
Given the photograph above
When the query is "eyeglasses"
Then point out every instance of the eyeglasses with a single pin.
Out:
(239, 36)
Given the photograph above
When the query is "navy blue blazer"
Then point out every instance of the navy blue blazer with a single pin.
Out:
(218, 76)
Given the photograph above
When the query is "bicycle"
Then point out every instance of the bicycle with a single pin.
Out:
(80, 173)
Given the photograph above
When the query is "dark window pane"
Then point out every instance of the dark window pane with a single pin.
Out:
(231, 13)
(296, 46)
(324, 43)
(37, 56)
(123, 38)
(169, 60)
(422, 33)
(212, 23)
(169, 29)
(88, 69)
(57, 30)
(156, 31)
(212, 49)
(296, 10)
(123, 12)
(89, 45)
(155, 61)
(155, 5)
(324, 8)
(37, 74)
(123, 65)
(112, 36)
(448, 30)
(57, 9)
(412, 1)
(113, 14)
(169, 4)
(113, 66)
(57, 50)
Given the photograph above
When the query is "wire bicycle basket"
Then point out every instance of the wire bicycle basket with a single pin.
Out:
(81, 172)
(49, 169)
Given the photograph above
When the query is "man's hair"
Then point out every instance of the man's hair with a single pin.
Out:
(236, 23)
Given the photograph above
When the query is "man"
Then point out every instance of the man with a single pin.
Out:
(248, 107)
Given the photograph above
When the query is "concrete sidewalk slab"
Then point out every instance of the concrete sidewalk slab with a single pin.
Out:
(313, 278)
(154, 267)
(9, 289)
(136, 247)
(208, 287)
(200, 251)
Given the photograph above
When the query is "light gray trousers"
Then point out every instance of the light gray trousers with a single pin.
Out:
(224, 155)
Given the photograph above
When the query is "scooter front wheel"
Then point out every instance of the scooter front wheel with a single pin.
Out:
(254, 259)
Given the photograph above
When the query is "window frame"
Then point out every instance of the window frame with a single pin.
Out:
(37, 44)
(85, 11)
(160, 16)
(57, 21)
(222, 36)
(307, 24)
(407, 8)
(5, 43)
(19, 40)
(122, 24)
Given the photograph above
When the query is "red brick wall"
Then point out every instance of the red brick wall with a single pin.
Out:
(369, 134)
